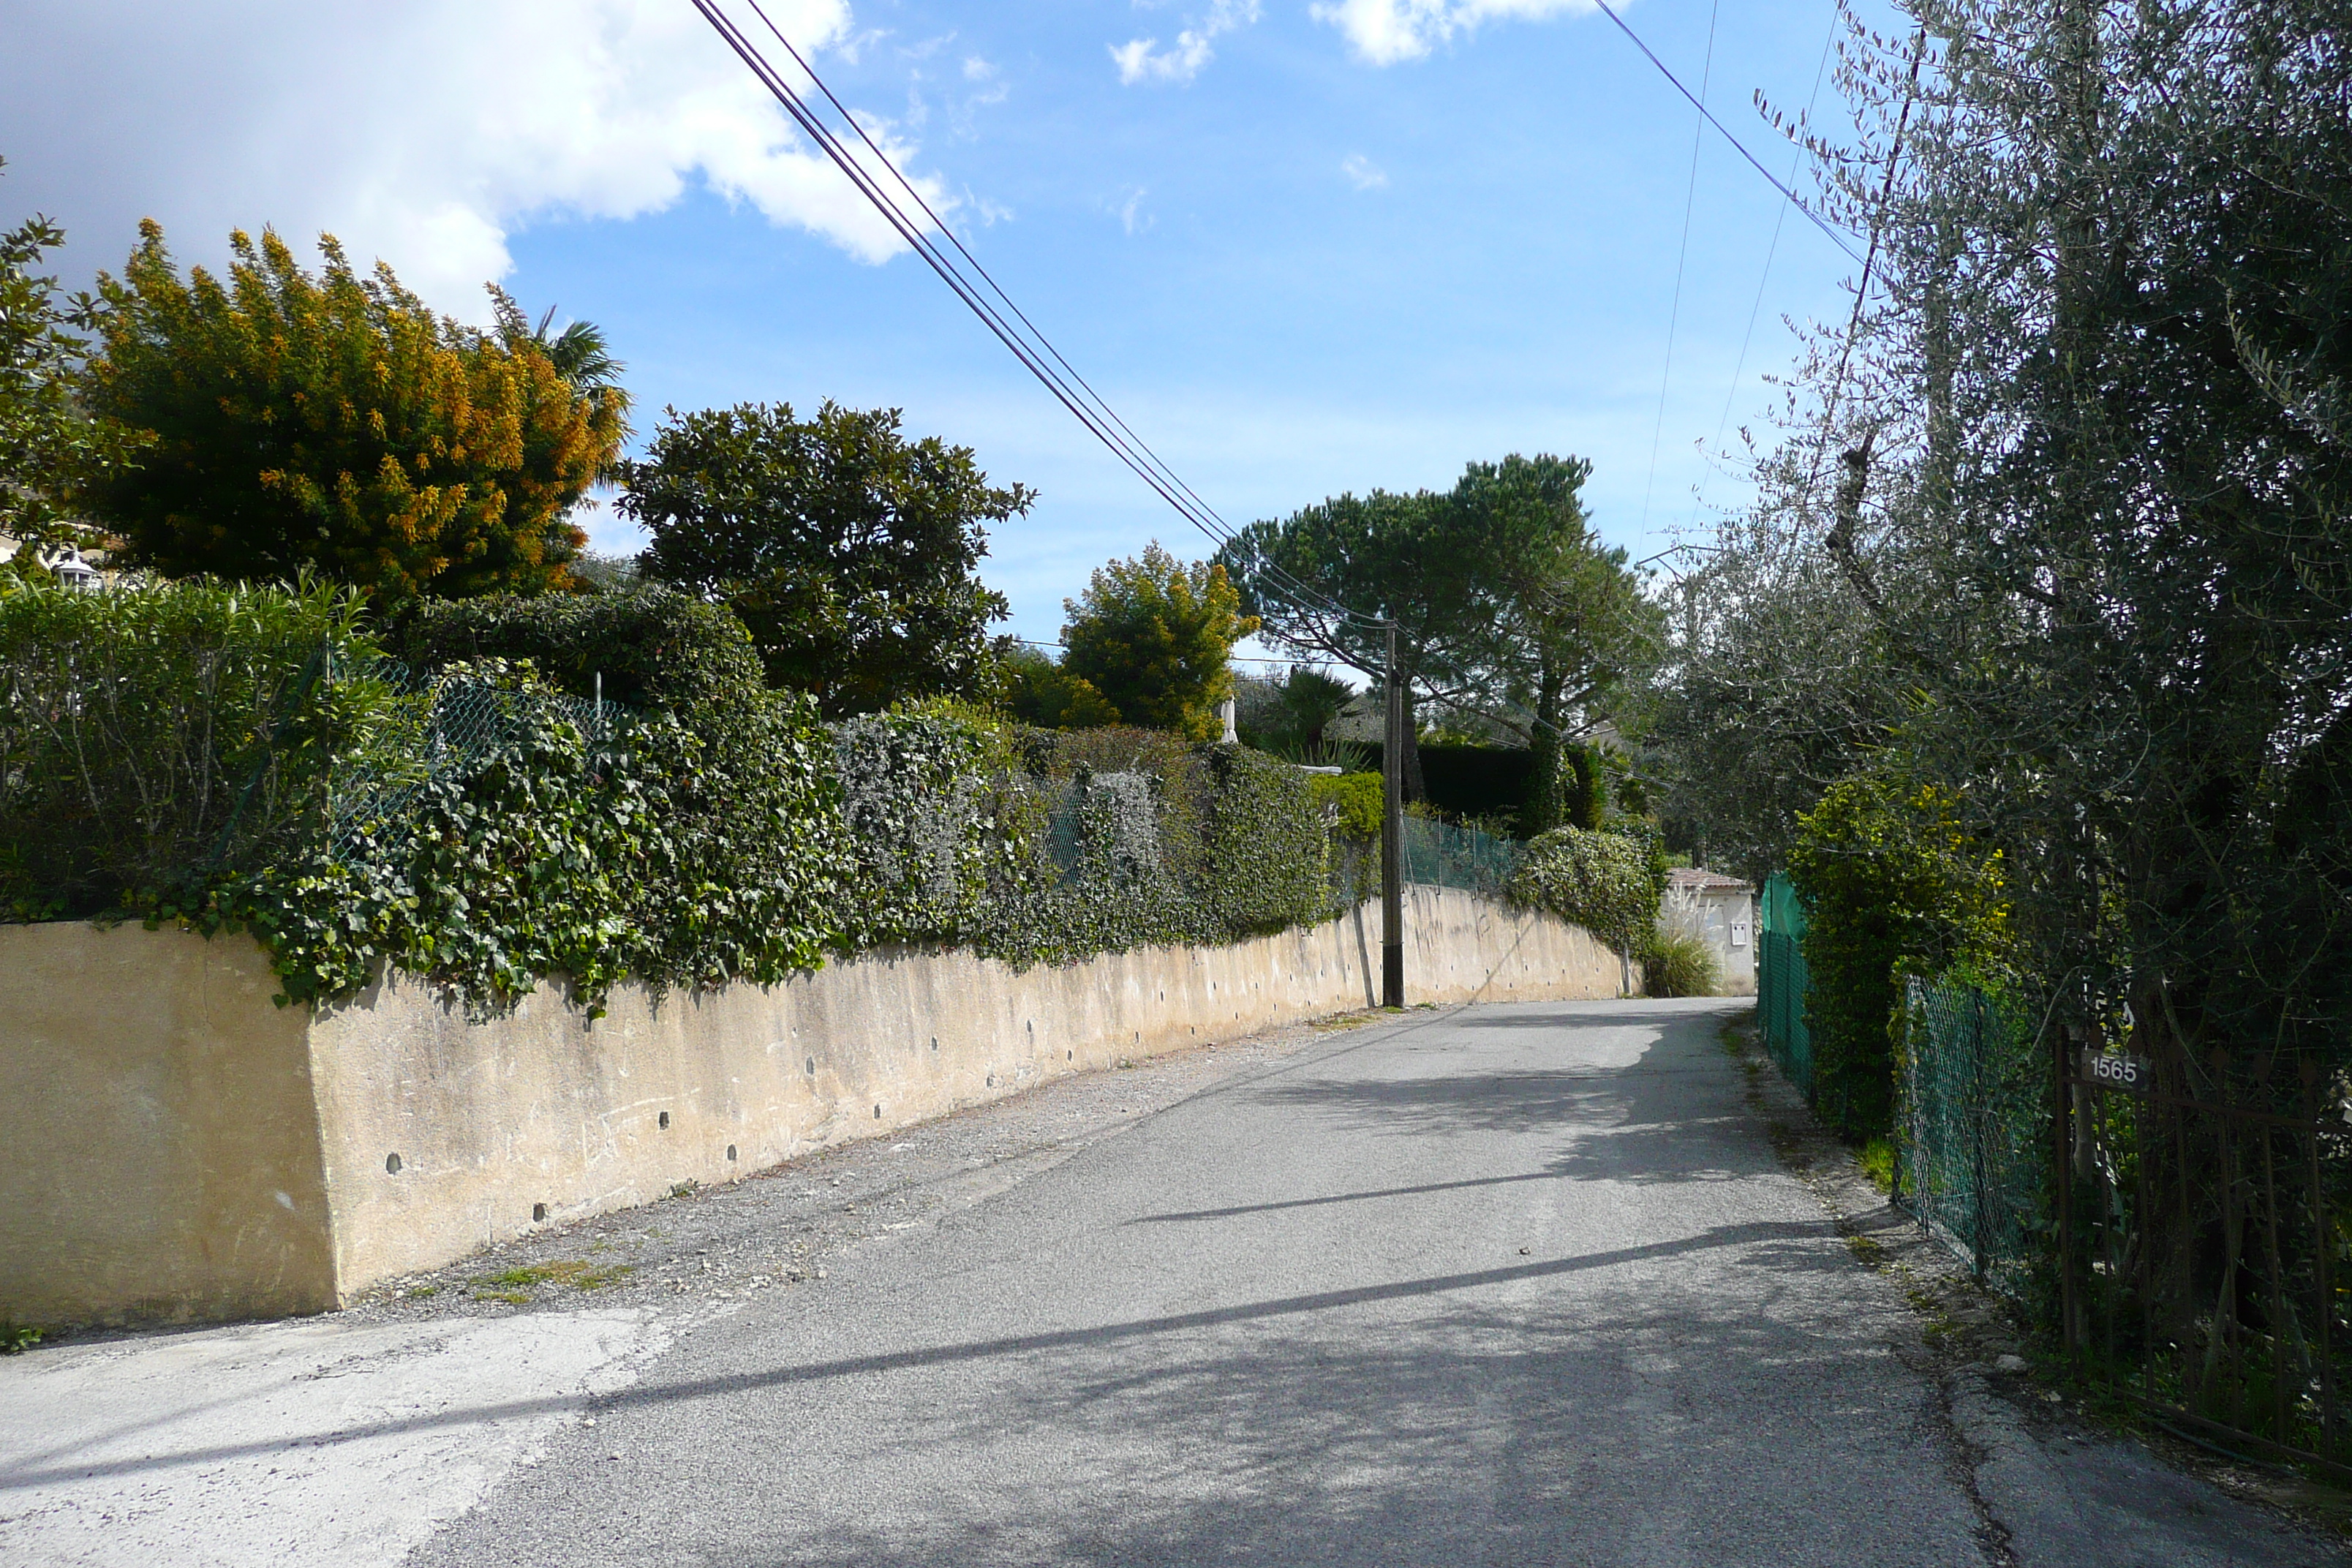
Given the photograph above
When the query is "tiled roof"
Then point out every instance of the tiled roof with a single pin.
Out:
(1695, 879)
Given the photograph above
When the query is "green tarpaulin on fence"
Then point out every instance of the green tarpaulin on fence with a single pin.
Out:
(1782, 982)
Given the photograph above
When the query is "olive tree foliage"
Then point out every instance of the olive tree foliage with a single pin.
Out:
(850, 552)
(2064, 521)
(334, 423)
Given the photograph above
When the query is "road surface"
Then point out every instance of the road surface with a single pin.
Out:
(1517, 1284)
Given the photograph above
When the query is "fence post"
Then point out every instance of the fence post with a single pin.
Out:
(2062, 1122)
(1980, 1175)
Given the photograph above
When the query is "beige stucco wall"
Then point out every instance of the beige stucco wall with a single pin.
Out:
(159, 1138)
(541, 1117)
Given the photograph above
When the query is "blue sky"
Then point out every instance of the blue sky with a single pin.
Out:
(1298, 256)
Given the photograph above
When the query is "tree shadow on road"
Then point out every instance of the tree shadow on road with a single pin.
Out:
(1648, 1422)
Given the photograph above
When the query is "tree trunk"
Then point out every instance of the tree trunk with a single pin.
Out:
(1542, 811)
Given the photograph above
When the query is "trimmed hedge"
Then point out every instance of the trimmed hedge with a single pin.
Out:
(1470, 781)
(655, 647)
(482, 828)
(1607, 882)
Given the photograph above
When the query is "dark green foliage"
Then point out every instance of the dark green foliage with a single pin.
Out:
(657, 648)
(1888, 875)
(475, 825)
(146, 735)
(1264, 846)
(850, 552)
(1605, 882)
(637, 849)
(1484, 782)
(1039, 690)
(1584, 788)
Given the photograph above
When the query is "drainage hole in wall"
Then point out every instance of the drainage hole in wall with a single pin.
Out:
(1066, 1055)
(992, 1080)
(730, 1150)
(935, 1042)
(538, 1211)
(665, 1119)
(878, 1113)
(811, 1066)
(392, 1164)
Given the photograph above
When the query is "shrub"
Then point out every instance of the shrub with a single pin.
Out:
(1602, 881)
(1676, 964)
(1887, 874)
(148, 734)
(655, 647)
(558, 847)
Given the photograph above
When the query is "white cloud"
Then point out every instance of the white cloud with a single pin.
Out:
(1131, 215)
(1143, 59)
(1362, 172)
(1385, 32)
(425, 132)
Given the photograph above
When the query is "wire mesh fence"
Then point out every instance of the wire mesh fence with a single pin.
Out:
(1972, 1129)
(1783, 982)
(429, 725)
(2206, 1209)
(1441, 854)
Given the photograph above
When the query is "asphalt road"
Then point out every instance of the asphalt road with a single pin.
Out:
(1514, 1284)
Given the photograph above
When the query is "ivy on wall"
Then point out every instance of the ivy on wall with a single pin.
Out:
(1607, 883)
(477, 823)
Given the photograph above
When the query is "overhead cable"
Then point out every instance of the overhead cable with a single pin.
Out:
(1030, 346)
(1796, 201)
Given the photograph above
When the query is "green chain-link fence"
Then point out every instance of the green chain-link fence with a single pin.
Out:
(1440, 855)
(1782, 981)
(1972, 1126)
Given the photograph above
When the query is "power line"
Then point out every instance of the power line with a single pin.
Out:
(1682, 254)
(1030, 346)
(1794, 200)
(1780, 217)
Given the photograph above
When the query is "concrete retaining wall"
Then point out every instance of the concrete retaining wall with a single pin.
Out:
(177, 1148)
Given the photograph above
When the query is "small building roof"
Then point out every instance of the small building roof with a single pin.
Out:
(1697, 879)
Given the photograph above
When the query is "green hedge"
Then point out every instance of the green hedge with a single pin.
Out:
(1889, 875)
(146, 735)
(655, 647)
(1489, 781)
(1607, 882)
(477, 824)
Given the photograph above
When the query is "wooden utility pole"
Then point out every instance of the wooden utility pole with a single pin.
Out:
(1392, 838)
